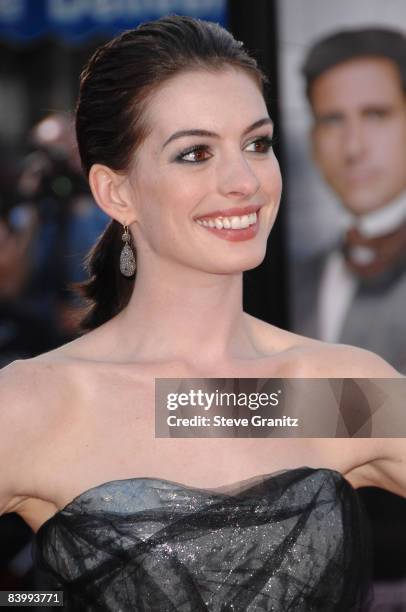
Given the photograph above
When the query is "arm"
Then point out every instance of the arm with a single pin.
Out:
(388, 470)
(381, 460)
(386, 463)
(29, 395)
(13, 433)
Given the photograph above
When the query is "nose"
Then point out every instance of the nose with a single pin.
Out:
(354, 140)
(236, 178)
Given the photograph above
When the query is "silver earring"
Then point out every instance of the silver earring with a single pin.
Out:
(128, 264)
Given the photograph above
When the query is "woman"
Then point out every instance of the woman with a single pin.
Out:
(175, 137)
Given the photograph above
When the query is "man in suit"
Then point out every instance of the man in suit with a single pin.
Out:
(356, 293)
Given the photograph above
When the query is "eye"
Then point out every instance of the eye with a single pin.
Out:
(332, 120)
(195, 154)
(262, 144)
(377, 113)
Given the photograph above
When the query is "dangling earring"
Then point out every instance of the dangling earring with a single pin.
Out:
(128, 264)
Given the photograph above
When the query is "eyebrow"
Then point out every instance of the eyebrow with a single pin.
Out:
(382, 107)
(181, 133)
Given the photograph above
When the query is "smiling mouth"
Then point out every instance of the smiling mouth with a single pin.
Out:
(233, 222)
(232, 227)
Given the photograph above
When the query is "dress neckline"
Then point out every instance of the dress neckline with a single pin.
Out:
(214, 490)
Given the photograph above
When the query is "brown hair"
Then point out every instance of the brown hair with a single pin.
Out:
(351, 44)
(115, 88)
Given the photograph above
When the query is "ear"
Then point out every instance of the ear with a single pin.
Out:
(111, 190)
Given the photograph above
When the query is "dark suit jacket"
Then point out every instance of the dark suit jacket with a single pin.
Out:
(376, 319)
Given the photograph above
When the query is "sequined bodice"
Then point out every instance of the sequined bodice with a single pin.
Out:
(293, 541)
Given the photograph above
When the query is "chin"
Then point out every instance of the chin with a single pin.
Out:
(361, 200)
(242, 263)
(254, 262)
(363, 206)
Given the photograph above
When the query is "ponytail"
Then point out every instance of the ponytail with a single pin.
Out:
(106, 291)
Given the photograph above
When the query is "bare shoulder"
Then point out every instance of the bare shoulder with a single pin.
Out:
(33, 397)
(325, 360)
(375, 461)
(308, 358)
(40, 381)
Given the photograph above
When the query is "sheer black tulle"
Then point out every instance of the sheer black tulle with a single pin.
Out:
(292, 541)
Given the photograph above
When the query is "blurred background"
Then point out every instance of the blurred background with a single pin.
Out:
(48, 220)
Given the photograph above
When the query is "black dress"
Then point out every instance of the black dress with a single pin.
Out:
(294, 541)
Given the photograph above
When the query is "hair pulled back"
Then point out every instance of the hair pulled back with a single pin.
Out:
(346, 45)
(115, 88)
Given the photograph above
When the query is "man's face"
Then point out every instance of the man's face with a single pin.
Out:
(359, 134)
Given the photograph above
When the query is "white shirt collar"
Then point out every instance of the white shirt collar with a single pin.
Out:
(381, 221)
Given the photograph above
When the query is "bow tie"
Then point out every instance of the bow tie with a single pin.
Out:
(370, 257)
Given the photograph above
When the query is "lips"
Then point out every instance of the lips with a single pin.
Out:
(231, 226)
(231, 212)
(359, 176)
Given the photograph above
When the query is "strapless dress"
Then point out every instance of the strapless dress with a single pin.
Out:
(295, 541)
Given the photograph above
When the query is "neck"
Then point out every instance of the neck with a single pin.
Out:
(177, 313)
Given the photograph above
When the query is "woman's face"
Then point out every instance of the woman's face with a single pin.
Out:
(206, 200)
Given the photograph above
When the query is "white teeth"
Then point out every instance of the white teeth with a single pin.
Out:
(244, 221)
(230, 222)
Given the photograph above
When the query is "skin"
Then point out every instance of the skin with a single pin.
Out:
(160, 198)
(359, 132)
(89, 405)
